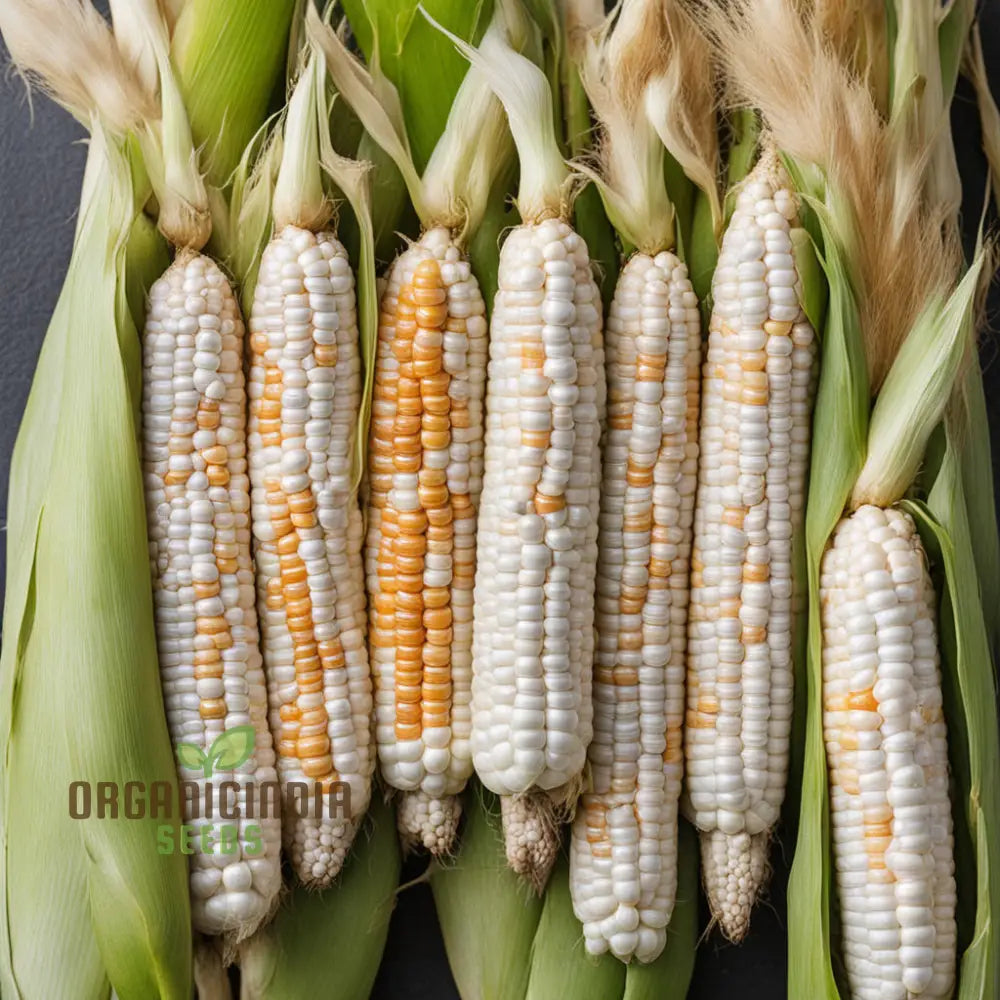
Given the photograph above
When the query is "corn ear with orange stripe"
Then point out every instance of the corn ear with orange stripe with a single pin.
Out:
(887, 755)
(305, 394)
(306, 386)
(425, 457)
(624, 851)
(425, 476)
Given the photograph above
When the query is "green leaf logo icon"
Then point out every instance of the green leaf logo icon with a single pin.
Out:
(190, 756)
(231, 749)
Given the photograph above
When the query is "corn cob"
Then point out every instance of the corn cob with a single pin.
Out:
(305, 395)
(624, 872)
(757, 391)
(426, 457)
(624, 853)
(198, 509)
(426, 452)
(887, 756)
(533, 638)
(533, 606)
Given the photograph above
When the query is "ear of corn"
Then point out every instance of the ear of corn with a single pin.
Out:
(531, 683)
(425, 457)
(305, 403)
(892, 829)
(305, 394)
(754, 454)
(532, 713)
(198, 508)
(426, 465)
(623, 861)
(650, 451)
(328, 944)
(489, 947)
(81, 649)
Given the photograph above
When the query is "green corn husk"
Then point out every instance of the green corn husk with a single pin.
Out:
(484, 244)
(840, 421)
(81, 698)
(872, 456)
(228, 56)
(419, 61)
(973, 732)
(977, 479)
(328, 945)
(560, 965)
(488, 915)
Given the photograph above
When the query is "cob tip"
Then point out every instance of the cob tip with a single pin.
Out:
(531, 835)
(428, 822)
(734, 870)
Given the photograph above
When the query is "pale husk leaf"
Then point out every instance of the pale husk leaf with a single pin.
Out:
(97, 901)
(545, 184)
(628, 162)
(916, 392)
(328, 944)
(680, 102)
(299, 198)
(168, 148)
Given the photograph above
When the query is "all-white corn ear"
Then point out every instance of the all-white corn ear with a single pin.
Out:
(623, 862)
(425, 478)
(533, 638)
(887, 753)
(198, 509)
(305, 398)
(754, 452)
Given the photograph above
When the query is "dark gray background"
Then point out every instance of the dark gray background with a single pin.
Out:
(41, 165)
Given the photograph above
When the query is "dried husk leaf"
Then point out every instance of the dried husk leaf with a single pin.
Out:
(899, 251)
